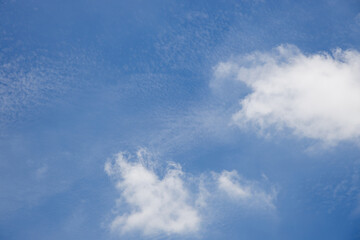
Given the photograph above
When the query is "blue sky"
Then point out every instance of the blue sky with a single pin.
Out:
(180, 119)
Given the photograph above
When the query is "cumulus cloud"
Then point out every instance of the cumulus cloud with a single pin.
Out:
(157, 204)
(172, 202)
(317, 96)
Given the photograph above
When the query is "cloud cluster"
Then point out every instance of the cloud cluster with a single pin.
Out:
(167, 203)
(316, 96)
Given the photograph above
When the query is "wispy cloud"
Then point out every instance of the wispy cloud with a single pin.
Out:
(316, 96)
(357, 19)
(240, 189)
(29, 82)
(172, 202)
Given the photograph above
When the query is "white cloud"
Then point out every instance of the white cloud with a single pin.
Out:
(316, 96)
(157, 204)
(166, 204)
(228, 181)
(246, 191)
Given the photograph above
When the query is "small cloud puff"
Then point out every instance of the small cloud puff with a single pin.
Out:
(166, 203)
(316, 96)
